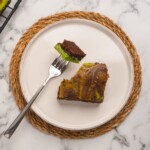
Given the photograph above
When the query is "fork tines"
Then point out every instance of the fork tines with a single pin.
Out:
(60, 63)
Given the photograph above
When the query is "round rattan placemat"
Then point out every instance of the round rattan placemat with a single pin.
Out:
(36, 120)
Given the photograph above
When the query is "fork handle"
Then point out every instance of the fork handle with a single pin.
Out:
(9, 132)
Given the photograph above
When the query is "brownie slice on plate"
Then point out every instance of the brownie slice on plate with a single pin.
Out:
(88, 85)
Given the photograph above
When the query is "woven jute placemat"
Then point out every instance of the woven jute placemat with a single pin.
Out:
(36, 120)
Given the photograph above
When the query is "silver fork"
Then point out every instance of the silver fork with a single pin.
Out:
(56, 69)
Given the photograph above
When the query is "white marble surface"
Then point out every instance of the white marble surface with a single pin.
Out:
(133, 134)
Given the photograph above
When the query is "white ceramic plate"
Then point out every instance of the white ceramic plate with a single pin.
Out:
(101, 45)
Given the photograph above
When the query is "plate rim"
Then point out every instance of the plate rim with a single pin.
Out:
(38, 111)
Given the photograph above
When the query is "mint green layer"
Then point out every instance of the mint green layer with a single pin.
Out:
(88, 65)
(3, 4)
(64, 55)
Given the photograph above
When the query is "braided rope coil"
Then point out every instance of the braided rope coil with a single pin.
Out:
(36, 120)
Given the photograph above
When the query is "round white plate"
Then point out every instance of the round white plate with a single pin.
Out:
(101, 45)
